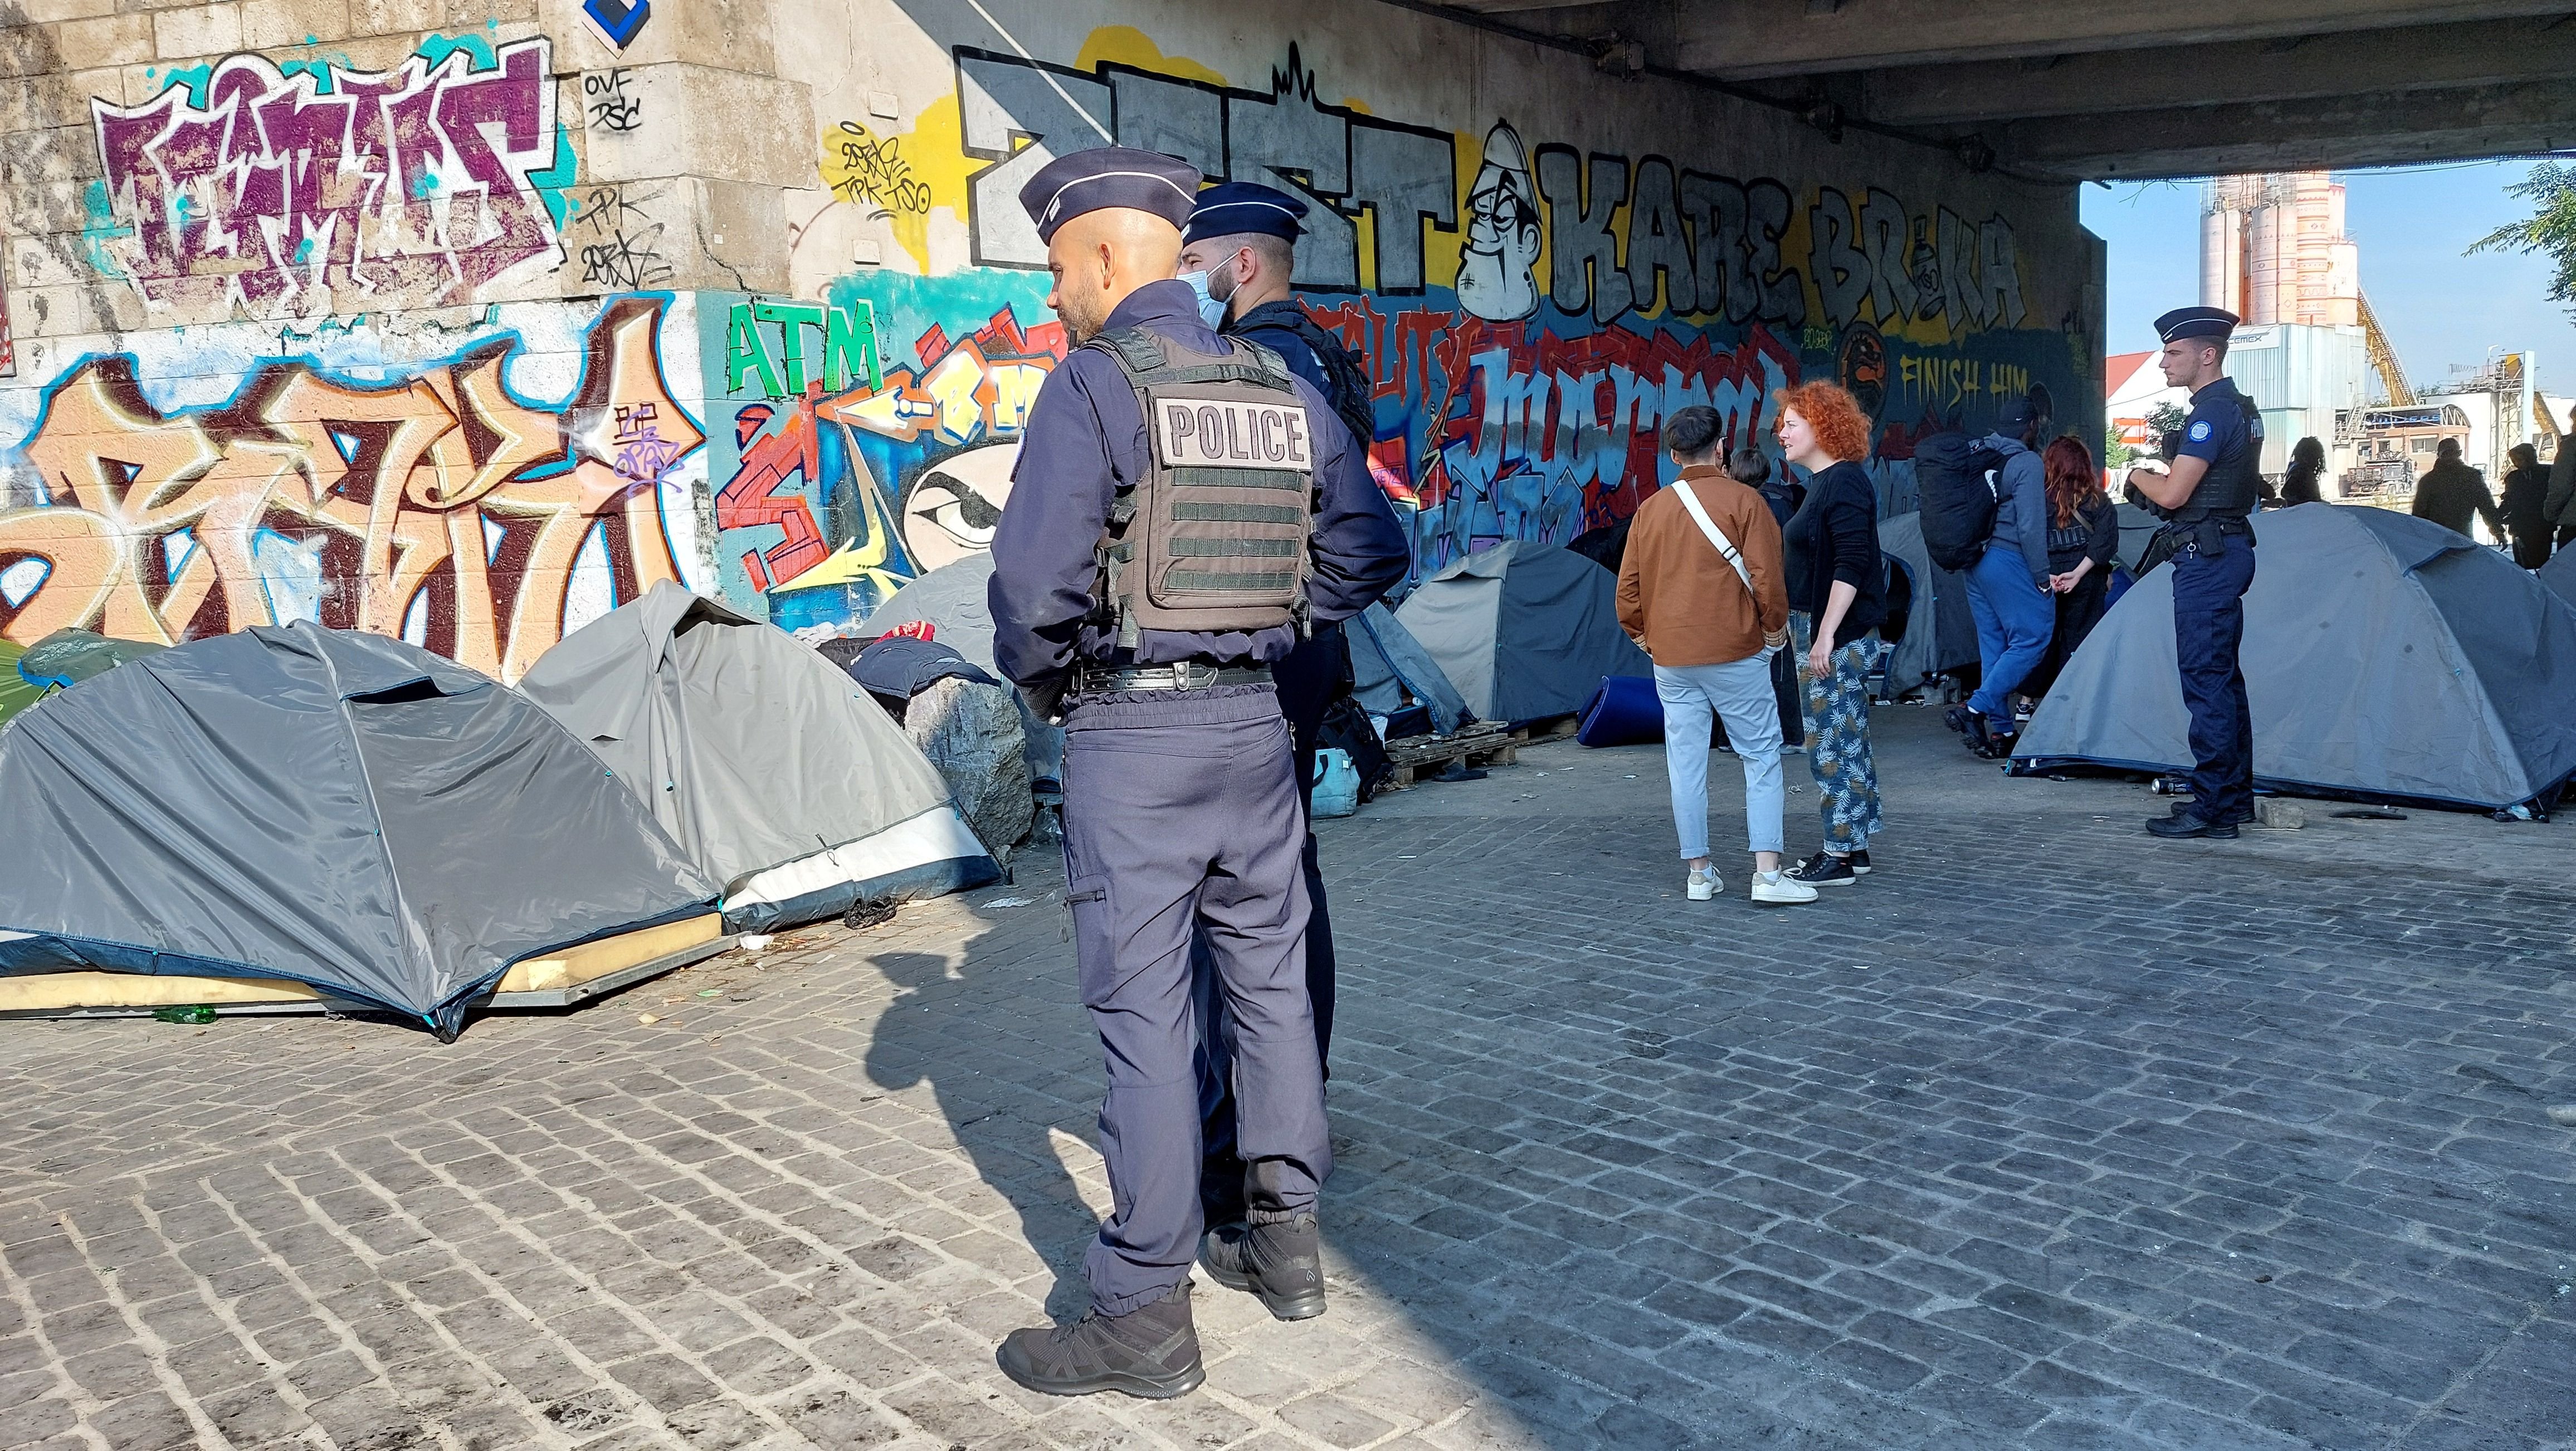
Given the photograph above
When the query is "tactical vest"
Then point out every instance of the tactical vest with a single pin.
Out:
(1212, 532)
(2234, 485)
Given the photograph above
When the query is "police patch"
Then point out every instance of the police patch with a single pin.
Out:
(2200, 431)
(1230, 433)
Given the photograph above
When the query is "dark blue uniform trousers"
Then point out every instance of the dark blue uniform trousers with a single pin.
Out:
(1181, 813)
(2209, 627)
(1314, 673)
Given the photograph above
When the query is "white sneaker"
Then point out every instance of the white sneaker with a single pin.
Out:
(1704, 884)
(1780, 889)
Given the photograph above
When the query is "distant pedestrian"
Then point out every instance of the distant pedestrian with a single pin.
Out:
(2008, 585)
(2559, 508)
(2302, 483)
(2083, 535)
(1838, 596)
(2526, 490)
(2451, 492)
(1700, 591)
(1753, 468)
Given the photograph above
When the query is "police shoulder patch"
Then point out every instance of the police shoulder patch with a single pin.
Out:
(2200, 431)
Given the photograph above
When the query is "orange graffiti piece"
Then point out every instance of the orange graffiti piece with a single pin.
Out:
(439, 508)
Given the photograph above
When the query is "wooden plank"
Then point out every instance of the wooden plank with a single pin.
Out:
(66, 991)
(575, 965)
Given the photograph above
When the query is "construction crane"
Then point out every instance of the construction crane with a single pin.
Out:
(2383, 358)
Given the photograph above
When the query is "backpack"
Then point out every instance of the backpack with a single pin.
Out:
(1351, 393)
(1956, 477)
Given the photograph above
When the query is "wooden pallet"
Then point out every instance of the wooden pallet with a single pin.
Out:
(1553, 728)
(551, 980)
(1418, 758)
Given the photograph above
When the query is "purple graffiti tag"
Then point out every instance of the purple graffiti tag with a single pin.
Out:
(414, 185)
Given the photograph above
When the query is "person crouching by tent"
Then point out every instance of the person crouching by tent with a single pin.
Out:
(1700, 592)
(1752, 468)
(2083, 535)
(1837, 596)
(2008, 586)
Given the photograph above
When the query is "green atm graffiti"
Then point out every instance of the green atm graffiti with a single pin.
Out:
(849, 347)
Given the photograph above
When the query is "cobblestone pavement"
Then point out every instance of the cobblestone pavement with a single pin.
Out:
(2046, 1135)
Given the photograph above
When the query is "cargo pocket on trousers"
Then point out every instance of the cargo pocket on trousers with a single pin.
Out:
(1094, 943)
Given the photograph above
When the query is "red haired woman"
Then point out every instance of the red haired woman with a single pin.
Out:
(2083, 535)
(1838, 593)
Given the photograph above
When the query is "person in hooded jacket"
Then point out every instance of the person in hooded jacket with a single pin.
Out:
(2008, 589)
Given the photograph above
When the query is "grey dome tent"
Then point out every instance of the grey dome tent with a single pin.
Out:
(2385, 657)
(1523, 630)
(2559, 574)
(774, 771)
(1390, 669)
(1940, 632)
(333, 808)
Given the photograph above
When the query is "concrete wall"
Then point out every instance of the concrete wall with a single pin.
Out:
(445, 318)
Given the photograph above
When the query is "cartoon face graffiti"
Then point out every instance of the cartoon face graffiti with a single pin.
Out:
(952, 508)
(1498, 270)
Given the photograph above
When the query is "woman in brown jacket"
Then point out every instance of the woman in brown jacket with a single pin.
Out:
(1701, 591)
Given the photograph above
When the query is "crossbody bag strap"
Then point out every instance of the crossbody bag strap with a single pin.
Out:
(1716, 536)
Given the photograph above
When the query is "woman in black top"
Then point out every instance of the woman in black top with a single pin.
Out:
(2083, 535)
(2526, 489)
(1838, 595)
(2307, 466)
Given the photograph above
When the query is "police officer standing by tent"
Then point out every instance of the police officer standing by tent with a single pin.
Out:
(1182, 506)
(1238, 253)
(2215, 484)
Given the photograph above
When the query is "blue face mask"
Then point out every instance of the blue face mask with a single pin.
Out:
(1211, 308)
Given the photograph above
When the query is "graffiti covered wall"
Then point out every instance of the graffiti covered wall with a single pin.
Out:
(1536, 265)
(466, 334)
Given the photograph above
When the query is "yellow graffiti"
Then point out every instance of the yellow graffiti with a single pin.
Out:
(910, 177)
(441, 507)
(1126, 45)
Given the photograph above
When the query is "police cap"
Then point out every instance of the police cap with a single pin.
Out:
(1105, 177)
(2196, 322)
(1235, 207)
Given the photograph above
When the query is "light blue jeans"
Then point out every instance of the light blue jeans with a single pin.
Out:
(1739, 693)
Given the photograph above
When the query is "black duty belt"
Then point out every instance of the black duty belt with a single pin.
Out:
(1181, 675)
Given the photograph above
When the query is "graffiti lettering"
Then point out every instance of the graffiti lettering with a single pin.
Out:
(860, 167)
(1875, 262)
(255, 188)
(606, 104)
(849, 346)
(442, 509)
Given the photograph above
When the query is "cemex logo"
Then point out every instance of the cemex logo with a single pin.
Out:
(616, 22)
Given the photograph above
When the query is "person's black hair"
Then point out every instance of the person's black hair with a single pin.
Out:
(2308, 450)
(2447, 448)
(1693, 431)
(1749, 466)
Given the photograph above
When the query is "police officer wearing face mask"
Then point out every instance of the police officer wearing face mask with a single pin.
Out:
(2206, 500)
(1183, 507)
(1238, 252)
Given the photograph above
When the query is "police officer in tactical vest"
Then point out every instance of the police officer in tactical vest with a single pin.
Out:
(2205, 501)
(1184, 508)
(1238, 252)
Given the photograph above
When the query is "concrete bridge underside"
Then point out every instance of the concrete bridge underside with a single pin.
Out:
(2147, 88)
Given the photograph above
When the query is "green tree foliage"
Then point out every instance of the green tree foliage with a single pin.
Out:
(2550, 230)
(2114, 452)
(2165, 420)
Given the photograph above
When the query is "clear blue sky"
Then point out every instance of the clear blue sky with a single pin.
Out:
(2439, 307)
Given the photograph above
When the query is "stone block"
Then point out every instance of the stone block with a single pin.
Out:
(279, 24)
(394, 17)
(696, 120)
(971, 732)
(197, 30)
(107, 40)
(2283, 815)
(732, 35)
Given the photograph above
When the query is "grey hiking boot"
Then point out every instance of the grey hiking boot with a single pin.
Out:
(1281, 1261)
(1151, 1351)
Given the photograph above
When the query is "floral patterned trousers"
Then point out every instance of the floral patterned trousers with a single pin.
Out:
(1838, 740)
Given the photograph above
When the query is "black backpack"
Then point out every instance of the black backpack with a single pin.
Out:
(1955, 475)
(1352, 395)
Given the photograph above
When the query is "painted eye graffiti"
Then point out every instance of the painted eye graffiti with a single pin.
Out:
(967, 516)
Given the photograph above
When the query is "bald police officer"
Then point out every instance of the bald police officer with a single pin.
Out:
(2214, 487)
(1238, 254)
(1182, 506)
